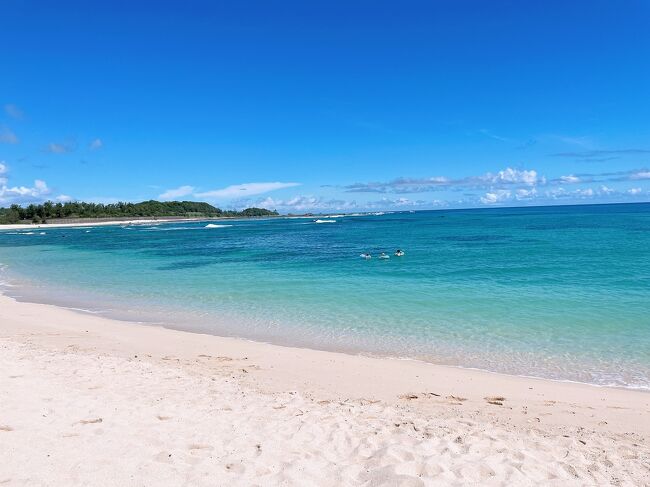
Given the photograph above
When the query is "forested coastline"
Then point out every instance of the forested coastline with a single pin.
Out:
(49, 210)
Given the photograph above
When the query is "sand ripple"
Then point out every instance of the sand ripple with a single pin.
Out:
(85, 418)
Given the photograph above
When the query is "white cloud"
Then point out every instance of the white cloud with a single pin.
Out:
(515, 176)
(63, 198)
(23, 194)
(303, 203)
(96, 144)
(170, 194)
(496, 196)
(640, 175)
(7, 136)
(525, 194)
(506, 178)
(501, 196)
(245, 190)
(570, 179)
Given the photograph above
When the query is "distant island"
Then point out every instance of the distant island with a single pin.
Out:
(48, 211)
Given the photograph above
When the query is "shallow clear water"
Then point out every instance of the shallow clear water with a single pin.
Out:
(557, 292)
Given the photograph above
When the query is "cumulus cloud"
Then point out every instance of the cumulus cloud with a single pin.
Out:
(23, 194)
(7, 136)
(9, 195)
(515, 176)
(497, 196)
(526, 194)
(634, 191)
(179, 192)
(245, 190)
(96, 144)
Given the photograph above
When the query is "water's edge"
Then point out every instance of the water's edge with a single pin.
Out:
(6, 287)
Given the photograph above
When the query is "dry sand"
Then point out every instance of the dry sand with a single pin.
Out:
(94, 223)
(89, 401)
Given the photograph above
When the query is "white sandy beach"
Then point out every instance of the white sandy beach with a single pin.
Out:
(89, 401)
(97, 223)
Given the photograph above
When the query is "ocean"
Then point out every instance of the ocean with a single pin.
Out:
(555, 292)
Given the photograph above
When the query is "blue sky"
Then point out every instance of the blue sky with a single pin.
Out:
(329, 106)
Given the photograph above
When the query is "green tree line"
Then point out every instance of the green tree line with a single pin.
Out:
(78, 209)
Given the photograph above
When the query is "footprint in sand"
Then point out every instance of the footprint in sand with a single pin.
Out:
(4, 427)
(456, 400)
(199, 446)
(408, 397)
(163, 418)
(495, 400)
(217, 358)
(90, 421)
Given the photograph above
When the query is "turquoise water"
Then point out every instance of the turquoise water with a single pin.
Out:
(557, 292)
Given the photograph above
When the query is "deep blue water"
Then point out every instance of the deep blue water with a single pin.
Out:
(558, 292)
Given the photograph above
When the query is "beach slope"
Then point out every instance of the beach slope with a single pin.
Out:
(90, 401)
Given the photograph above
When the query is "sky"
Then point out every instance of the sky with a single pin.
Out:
(326, 106)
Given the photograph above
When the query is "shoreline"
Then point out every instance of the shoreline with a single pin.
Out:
(105, 223)
(79, 389)
(458, 374)
(111, 316)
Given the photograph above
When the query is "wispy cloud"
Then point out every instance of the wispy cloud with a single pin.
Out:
(643, 174)
(14, 112)
(179, 192)
(60, 148)
(245, 190)
(617, 176)
(309, 203)
(556, 194)
(506, 177)
(570, 179)
(489, 134)
(96, 144)
(585, 142)
(7, 136)
(600, 155)
(527, 145)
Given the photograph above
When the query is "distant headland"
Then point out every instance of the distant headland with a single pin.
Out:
(50, 212)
